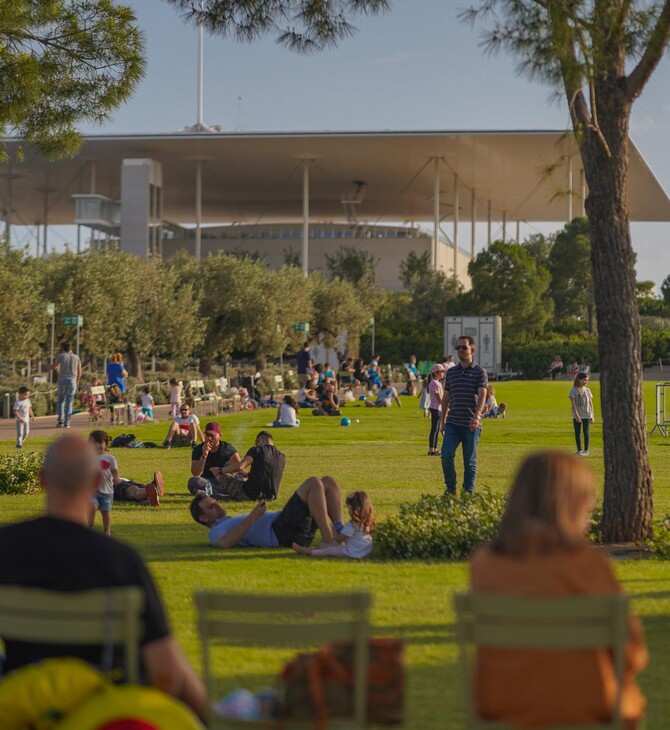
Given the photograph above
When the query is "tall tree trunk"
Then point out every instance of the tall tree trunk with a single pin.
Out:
(628, 501)
(135, 363)
(261, 362)
(205, 366)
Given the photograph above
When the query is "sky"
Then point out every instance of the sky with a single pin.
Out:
(416, 67)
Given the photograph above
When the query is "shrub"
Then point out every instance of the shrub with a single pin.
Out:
(661, 541)
(19, 473)
(438, 527)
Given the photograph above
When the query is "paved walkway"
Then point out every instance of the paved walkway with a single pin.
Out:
(46, 425)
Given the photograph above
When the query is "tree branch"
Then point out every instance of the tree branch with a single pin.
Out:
(658, 40)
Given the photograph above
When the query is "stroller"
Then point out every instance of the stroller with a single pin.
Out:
(248, 383)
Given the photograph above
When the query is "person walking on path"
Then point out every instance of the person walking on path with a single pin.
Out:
(581, 400)
(23, 413)
(465, 391)
(69, 374)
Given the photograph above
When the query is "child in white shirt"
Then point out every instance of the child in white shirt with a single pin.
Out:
(147, 403)
(355, 538)
(23, 413)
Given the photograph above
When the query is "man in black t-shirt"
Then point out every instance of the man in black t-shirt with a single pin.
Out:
(58, 552)
(266, 464)
(208, 458)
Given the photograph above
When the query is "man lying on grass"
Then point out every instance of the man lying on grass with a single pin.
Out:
(315, 503)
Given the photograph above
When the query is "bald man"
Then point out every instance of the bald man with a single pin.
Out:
(58, 552)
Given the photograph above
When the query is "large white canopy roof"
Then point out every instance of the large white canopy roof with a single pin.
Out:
(253, 177)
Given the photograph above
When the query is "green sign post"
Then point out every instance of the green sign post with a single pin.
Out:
(301, 326)
(74, 320)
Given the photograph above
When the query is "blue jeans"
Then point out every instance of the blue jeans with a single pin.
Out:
(453, 436)
(66, 391)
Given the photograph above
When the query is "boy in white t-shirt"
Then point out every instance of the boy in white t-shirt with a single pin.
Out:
(147, 402)
(23, 413)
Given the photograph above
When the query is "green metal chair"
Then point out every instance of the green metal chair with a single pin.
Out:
(288, 621)
(105, 617)
(512, 622)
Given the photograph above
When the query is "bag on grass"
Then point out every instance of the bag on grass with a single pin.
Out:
(320, 684)
(125, 439)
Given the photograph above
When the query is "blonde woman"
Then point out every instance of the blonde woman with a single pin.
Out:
(541, 550)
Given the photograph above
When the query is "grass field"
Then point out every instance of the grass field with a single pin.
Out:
(384, 454)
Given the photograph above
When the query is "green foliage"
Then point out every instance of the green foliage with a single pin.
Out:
(63, 62)
(19, 473)
(23, 319)
(301, 25)
(506, 280)
(352, 264)
(533, 356)
(571, 279)
(439, 527)
(660, 543)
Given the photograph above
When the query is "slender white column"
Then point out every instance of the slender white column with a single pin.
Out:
(518, 231)
(583, 191)
(504, 235)
(569, 181)
(455, 237)
(305, 217)
(488, 224)
(198, 210)
(201, 71)
(78, 237)
(436, 212)
(473, 223)
(46, 223)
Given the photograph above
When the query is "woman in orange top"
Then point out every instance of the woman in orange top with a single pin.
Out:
(541, 551)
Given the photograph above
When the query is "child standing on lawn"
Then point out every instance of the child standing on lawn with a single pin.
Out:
(175, 397)
(102, 499)
(355, 538)
(424, 396)
(23, 413)
(147, 403)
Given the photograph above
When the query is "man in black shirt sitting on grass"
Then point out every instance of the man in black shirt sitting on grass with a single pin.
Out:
(58, 552)
(207, 459)
(266, 470)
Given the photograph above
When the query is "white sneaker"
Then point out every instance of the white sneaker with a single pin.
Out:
(584, 453)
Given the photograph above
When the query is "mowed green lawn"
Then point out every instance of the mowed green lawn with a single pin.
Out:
(385, 454)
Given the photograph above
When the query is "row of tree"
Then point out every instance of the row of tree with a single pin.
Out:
(178, 309)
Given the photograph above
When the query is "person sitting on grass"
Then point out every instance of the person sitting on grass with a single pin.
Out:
(315, 504)
(354, 540)
(329, 402)
(184, 429)
(58, 552)
(307, 397)
(266, 468)
(287, 413)
(541, 550)
(207, 459)
(385, 397)
(121, 489)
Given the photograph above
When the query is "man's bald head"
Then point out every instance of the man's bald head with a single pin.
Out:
(70, 467)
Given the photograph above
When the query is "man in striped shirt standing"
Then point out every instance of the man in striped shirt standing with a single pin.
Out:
(462, 405)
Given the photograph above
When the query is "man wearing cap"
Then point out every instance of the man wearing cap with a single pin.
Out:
(465, 391)
(385, 397)
(213, 453)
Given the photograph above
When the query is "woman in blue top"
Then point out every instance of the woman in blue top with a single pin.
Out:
(116, 373)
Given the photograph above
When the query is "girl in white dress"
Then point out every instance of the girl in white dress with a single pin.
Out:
(354, 540)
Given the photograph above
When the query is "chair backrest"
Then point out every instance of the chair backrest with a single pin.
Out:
(272, 621)
(513, 622)
(107, 617)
